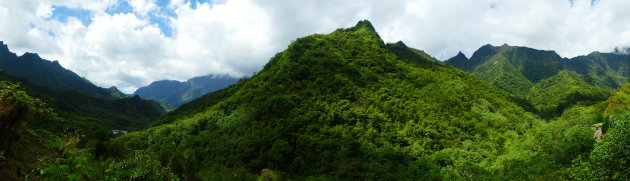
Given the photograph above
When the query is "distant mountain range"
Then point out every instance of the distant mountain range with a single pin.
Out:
(177, 93)
(545, 80)
(50, 74)
(528, 65)
(84, 106)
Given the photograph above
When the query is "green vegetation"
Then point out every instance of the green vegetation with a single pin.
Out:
(50, 74)
(602, 69)
(340, 106)
(501, 74)
(609, 159)
(27, 151)
(85, 115)
(23, 150)
(343, 105)
(619, 102)
(542, 81)
(551, 96)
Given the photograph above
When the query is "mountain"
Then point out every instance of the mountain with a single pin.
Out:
(343, 105)
(50, 74)
(533, 75)
(520, 65)
(556, 93)
(602, 69)
(42, 126)
(84, 114)
(605, 70)
(339, 106)
(608, 160)
(177, 93)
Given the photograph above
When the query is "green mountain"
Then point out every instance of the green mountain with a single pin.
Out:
(337, 106)
(58, 140)
(83, 106)
(619, 101)
(554, 94)
(343, 105)
(543, 79)
(602, 69)
(519, 66)
(85, 114)
(41, 126)
(50, 74)
(177, 93)
(608, 159)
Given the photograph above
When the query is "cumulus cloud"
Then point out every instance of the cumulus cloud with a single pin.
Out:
(180, 39)
(143, 7)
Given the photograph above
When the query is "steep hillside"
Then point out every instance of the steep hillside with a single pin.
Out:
(342, 105)
(177, 93)
(545, 80)
(551, 96)
(23, 150)
(619, 102)
(605, 70)
(85, 114)
(500, 73)
(30, 151)
(50, 74)
(523, 65)
(602, 69)
(609, 159)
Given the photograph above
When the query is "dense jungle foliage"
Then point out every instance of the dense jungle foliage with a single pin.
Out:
(346, 106)
(89, 115)
(547, 83)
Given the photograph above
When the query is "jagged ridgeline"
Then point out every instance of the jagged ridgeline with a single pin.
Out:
(177, 93)
(51, 74)
(83, 106)
(340, 105)
(543, 79)
(85, 114)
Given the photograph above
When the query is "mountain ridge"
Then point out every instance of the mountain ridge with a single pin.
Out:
(177, 93)
(519, 70)
(327, 106)
(32, 67)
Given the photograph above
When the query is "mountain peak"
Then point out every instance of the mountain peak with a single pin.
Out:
(484, 51)
(33, 56)
(400, 43)
(460, 61)
(4, 47)
(461, 55)
(365, 24)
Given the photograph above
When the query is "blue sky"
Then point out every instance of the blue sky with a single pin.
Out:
(130, 43)
(160, 16)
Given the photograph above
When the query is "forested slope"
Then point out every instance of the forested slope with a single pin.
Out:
(85, 114)
(341, 105)
(543, 79)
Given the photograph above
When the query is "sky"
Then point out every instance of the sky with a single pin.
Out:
(130, 43)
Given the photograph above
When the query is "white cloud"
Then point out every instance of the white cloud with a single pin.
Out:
(238, 37)
(143, 7)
